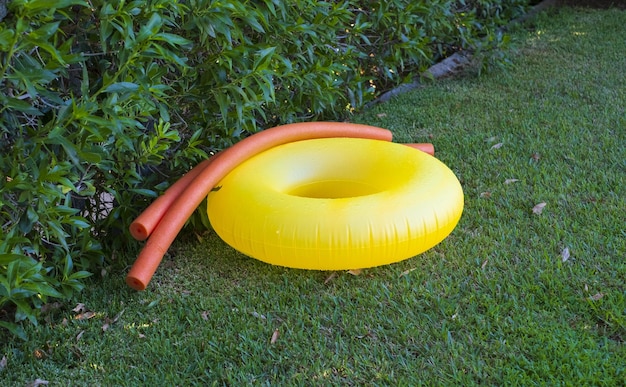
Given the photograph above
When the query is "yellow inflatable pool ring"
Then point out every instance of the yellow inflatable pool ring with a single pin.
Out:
(336, 204)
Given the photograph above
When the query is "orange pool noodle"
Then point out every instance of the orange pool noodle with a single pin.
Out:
(146, 222)
(185, 204)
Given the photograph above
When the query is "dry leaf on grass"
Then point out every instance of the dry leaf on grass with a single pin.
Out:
(565, 254)
(497, 146)
(109, 322)
(538, 209)
(79, 308)
(205, 315)
(274, 336)
(3, 363)
(596, 296)
(39, 354)
(117, 316)
(485, 194)
(407, 272)
(367, 335)
(509, 181)
(381, 115)
(355, 271)
(85, 316)
(259, 315)
(330, 277)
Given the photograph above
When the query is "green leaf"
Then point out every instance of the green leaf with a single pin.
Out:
(40, 5)
(19, 105)
(165, 114)
(49, 48)
(78, 221)
(80, 275)
(144, 192)
(42, 288)
(54, 227)
(174, 39)
(66, 184)
(6, 39)
(122, 87)
(28, 220)
(69, 265)
(159, 51)
(92, 157)
(24, 311)
(150, 28)
(56, 137)
(263, 58)
(12, 273)
(223, 103)
(45, 32)
(6, 259)
(254, 23)
(15, 329)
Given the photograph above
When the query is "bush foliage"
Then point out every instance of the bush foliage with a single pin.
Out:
(104, 103)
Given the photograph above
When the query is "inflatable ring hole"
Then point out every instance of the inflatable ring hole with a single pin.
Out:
(333, 189)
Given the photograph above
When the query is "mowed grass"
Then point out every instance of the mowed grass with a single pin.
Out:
(512, 297)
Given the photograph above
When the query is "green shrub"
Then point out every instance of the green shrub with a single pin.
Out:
(104, 103)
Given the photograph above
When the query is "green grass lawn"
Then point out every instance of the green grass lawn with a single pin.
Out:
(512, 297)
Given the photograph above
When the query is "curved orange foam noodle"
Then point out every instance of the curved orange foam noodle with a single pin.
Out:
(146, 222)
(186, 202)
